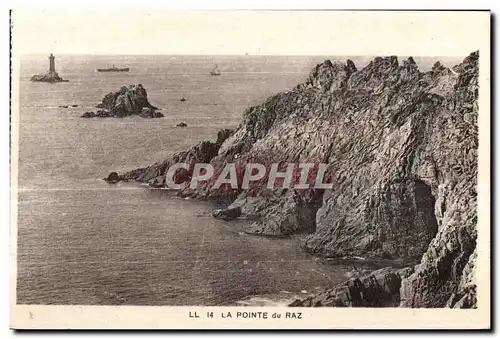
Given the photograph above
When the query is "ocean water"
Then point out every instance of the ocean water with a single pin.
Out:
(83, 241)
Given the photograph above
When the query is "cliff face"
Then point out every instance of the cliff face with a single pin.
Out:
(127, 101)
(401, 146)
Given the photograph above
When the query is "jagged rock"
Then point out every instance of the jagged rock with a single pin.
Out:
(227, 214)
(203, 152)
(223, 135)
(113, 177)
(146, 112)
(395, 220)
(129, 100)
(48, 77)
(132, 175)
(402, 152)
(182, 124)
(424, 125)
(351, 67)
(102, 113)
(330, 76)
(445, 274)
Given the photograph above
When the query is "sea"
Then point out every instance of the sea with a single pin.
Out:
(84, 241)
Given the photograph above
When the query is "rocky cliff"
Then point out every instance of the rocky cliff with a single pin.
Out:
(401, 146)
(129, 100)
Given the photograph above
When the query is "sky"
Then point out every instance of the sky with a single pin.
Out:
(134, 31)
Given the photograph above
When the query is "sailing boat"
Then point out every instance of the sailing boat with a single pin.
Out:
(215, 70)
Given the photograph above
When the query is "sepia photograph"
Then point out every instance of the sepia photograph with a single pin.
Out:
(175, 162)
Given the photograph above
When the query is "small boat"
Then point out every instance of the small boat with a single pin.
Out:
(215, 71)
(113, 69)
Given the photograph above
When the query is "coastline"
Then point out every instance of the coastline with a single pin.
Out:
(409, 113)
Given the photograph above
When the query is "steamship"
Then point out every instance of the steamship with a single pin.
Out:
(113, 69)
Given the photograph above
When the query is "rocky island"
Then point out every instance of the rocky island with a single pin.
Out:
(401, 146)
(51, 75)
(129, 100)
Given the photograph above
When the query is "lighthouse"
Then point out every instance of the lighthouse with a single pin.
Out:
(52, 63)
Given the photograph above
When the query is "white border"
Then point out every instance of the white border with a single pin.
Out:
(222, 4)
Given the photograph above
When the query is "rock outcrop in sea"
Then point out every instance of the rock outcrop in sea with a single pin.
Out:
(50, 76)
(129, 100)
(401, 146)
